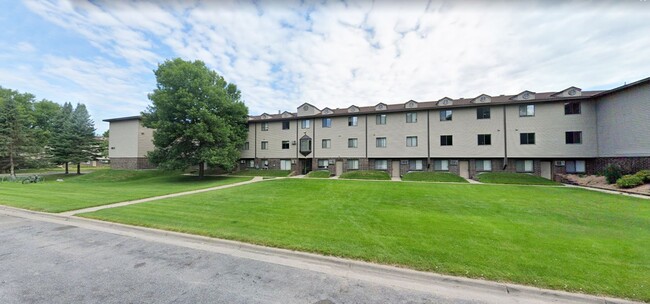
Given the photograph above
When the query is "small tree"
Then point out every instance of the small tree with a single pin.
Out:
(199, 118)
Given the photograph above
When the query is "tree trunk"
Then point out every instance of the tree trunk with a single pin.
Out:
(201, 169)
(66, 167)
(78, 168)
(12, 170)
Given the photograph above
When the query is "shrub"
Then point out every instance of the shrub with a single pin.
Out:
(629, 181)
(644, 175)
(612, 174)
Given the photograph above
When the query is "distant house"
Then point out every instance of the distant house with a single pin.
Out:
(129, 143)
(543, 133)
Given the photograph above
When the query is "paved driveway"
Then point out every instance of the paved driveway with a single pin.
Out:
(43, 262)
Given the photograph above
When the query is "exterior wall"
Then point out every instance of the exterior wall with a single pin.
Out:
(339, 134)
(145, 140)
(465, 127)
(623, 119)
(627, 164)
(123, 141)
(131, 163)
(549, 125)
(396, 130)
(274, 136)
(250, 153)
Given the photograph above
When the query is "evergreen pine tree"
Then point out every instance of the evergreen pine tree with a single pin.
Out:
(83, 131)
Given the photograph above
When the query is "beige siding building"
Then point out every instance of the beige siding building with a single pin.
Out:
(541, 133)
(129, 143)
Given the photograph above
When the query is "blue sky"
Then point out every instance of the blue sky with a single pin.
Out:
(328, 53)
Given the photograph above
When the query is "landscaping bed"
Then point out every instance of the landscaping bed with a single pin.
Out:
(597, 181)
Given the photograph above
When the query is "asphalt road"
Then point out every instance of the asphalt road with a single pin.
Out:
(43, 262)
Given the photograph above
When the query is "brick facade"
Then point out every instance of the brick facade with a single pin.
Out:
(627, 164)
(131, 163)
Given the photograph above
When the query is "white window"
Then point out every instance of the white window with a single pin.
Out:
(381, 164)
(305, 123)
(323, 163)
(411, 141)
(326, 144)
(411, 117)
(265, 145)
(246, 146)
(353, 121)
(441, 165)
(285, 164)
(575, 166)
(381, 119)
(353, 164)
(524, 165)
(381, 142)
(483, 165)
(250, 163)
(353, 143)
(415, 165)
(526, 110)
(265, 126)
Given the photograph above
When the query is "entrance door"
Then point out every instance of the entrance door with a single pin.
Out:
(463, 168)
(546, 169)
(306, 165)
(339, 167)
(285, 164)
(395, 168)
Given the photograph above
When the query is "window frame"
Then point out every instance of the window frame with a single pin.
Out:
(570, 137)
(264, 126)
(445, 117)
(524, 162)
(264, 145)
(288, 145)
(382, 140)
(411, 117)
(381, 119)
(378, 161)
(483, 162)
(487, 139)
(410, 140)
(478, 114)
(446, 140)
(355, 161)
(575, 166)
(247, 146)
(305, 124)
(444, 165)
(323, 160)
(414, 164)
(353, 121)
(354, 140)
(528, 137)
(570, 110)
(287, 124)
(326, 146)
(328, 124)
(527, 107)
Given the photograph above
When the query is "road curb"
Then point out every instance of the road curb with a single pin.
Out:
(442, 285)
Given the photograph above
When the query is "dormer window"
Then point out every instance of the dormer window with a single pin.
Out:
(445, 102)
(266, 116)
(525, 96)
(327, 111)
(411, 104)
(482, 99)
(353, 109)
(380, 107)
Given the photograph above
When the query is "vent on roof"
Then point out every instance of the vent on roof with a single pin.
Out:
(327, 111)
(380, 107)
(445, 102)
(353, 109)
(411, 104)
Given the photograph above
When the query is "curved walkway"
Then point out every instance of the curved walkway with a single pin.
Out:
(120, 204)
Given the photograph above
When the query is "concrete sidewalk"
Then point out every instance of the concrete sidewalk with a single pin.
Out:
(120, 204)
(458, 289)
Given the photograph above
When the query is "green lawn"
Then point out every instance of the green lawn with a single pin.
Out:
(433, 177)
(71, 169)
(366, 174)
(514, 178)
(319, 174)
(101, 187)
(257, 172)
(553, 237)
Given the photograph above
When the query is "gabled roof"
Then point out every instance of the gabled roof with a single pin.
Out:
(381, 106)
(623, 87)
(353, 109)
(411, 104)
(567, 89)
(521, 95)
(483, 98)
(308, 104)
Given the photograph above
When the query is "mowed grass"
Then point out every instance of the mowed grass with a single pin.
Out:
(553, 237)
(319, 174)
(433, 177)
(366, 174)
(257, 172)
(514, 178)
(101, 187)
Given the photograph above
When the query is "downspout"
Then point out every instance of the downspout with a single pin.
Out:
(255, 143)
(366, 137)
(505, 140)
(428, 141)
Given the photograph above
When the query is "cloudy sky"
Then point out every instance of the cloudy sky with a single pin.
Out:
(328, 53)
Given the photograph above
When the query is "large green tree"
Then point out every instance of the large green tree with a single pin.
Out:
(85, 145)
(16, 133)
(199, 118)
(62, 145)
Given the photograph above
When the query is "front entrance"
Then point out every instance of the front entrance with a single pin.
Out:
(463, 168)
(305, 165)
(339, 167)
(395, 168)
(546, 169)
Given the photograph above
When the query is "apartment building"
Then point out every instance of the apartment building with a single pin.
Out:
(568, 131)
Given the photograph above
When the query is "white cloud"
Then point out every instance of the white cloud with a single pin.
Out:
(335, 54)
